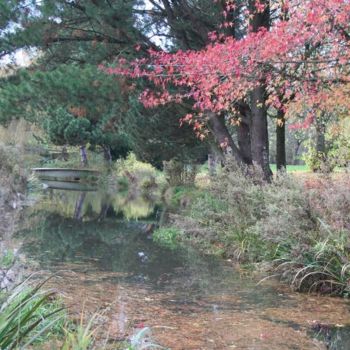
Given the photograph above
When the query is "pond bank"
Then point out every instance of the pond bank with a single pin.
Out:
(13, 267)
(298, 228)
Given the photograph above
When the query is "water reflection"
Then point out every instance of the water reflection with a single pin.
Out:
(91, 205)
(69, 185)
(84, 226)
(102, 241)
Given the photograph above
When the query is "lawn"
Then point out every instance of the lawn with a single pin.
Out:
(293, 168)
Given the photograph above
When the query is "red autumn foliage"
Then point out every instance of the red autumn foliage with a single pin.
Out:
(305, 53)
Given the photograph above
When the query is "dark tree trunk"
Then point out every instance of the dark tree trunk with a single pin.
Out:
(103, 213)
(107, 154)
(215, 157)
(223, 137)
(259, 131)
(65, 153)
(83, 156)
(244, 142)
(321, 137)
(281, 158)
(79, 206)
(244, 132)
(212, 164)
(321, 146)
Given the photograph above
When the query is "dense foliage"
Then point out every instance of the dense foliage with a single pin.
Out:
(301, 229)
(67, 42)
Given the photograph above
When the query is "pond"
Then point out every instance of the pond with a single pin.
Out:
(99, 246)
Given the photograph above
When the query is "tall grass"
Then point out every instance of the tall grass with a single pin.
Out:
(26, 313)
(80, 338)
(324, 266)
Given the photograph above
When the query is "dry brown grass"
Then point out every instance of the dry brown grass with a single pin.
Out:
(19, 133)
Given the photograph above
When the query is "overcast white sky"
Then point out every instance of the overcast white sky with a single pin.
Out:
(20, 58)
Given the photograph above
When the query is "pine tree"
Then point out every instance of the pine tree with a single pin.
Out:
(86, 32)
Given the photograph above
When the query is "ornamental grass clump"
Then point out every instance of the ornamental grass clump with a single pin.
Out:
(324, 266)
(26, 314)
(82, 337)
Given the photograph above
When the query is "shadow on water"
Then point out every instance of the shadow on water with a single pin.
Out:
(104, 244)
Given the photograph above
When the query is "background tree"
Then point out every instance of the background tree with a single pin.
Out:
(75, 105)
(154, 144)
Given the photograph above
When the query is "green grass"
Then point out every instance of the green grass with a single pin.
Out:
(293, 168)
(167, 237)
(7, 258)
(303, 169)
(290, 168)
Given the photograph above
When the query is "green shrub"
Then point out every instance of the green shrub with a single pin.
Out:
(133, 166)
(10, 160)
(137, 174)
(123, 184)
(181, 196)
(336, 152)
(7, 259)
(167, 236)
(340, 147)
(319, 161)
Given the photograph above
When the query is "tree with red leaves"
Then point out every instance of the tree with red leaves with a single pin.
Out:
(289, 50)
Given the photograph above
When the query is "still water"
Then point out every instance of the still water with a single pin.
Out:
(100, 248)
